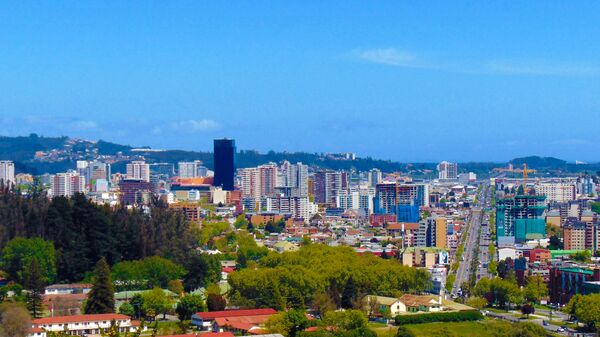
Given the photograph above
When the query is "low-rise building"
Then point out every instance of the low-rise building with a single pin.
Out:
(84, 324)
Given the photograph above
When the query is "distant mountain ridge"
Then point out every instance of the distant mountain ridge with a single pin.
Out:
(37, 154)
(539, 162)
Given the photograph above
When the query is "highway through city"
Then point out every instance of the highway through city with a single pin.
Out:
(475, 220)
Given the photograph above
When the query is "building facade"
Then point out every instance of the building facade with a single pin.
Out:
(224, 163)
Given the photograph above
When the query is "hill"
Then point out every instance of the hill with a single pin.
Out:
(540, 162)
(37, 154)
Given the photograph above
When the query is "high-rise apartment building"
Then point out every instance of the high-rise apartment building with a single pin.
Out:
(404, 200)
(574, 236)
(580, 235)
(268, 179)
(327, 185)
(7, 172)
(557, 191)
(436, 232)
(256, 182)
(375, 177)
(138, 170)
(447, 170)
(521, 217)
(67, 184)
(191, 169)
(250, 182)
(292, 179)
(224, 163)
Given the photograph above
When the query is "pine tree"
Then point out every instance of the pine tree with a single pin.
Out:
(101, 299)
(350, 294)
(34, 282)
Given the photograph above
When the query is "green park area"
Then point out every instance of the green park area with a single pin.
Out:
(484, 328)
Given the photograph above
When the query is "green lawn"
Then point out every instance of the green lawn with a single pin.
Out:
(483, 328)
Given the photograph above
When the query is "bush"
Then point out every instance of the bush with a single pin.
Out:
(459, 316)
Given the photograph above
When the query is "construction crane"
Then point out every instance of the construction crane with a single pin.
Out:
(526, 172)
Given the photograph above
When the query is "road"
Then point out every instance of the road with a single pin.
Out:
(475, 219)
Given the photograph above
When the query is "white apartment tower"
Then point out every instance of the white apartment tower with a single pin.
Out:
(447, 170)
(191, 169)
(7, 172)
(138, 170)
(375, 177)
(67, 184)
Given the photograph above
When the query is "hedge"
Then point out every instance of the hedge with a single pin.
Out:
(455, 316)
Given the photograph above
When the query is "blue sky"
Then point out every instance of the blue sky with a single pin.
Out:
(409, 81)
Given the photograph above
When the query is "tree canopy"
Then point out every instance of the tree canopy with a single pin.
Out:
(292, 279)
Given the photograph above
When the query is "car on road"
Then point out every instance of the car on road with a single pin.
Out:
(560, 329)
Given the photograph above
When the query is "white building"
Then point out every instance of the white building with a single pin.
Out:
(557, 191)
(138, 170)
(191, 169)
(467, 178)
(347, 199)
(375, 177)
(292, 179)
(83, 324)
(7, 172)
(67, 184)
(256, 182)
(447, 170)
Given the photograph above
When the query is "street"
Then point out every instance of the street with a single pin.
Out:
(475, 220)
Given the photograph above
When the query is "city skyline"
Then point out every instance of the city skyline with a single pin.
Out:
(409, 83)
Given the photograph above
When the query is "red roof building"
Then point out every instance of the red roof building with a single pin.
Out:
(237, 321)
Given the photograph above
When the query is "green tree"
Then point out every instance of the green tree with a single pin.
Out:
(350, 294)
(582, 256)
(215, 302)
(345, 320)
(156, 302)
(14, 320)
(571, 307)
(176, 286)
(34, 282)
(527, 309)
(150, 272)
(189, 305)
(535, 289)
(18, 254)
(288, 323)
(101, 299)
(322, 303)
(587, 311)
(477, 302)
(137, 302)
(127, 309)
(203, 269)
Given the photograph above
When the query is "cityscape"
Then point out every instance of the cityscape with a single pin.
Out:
(299, 169)
(491, 247)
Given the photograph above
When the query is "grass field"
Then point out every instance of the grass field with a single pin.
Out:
(483, 328)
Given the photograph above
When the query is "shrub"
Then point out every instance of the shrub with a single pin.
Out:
(458, 316)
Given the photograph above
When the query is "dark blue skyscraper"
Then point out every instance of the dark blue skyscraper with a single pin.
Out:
(224, 152)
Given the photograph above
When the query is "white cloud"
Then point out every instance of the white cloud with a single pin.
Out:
(195, 125)
(571, 141)
(401, 58)
(541, 68)
(84, 125)
(389, 56)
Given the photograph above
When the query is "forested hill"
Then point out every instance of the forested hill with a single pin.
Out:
(57, 154)
(67, 150)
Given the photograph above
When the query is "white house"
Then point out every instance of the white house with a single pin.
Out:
(84, 324)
